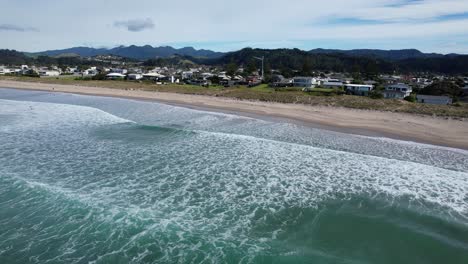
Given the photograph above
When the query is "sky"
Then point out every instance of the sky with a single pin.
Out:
(428, 25)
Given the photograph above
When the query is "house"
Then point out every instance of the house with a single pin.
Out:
(118, 70)
(135, 76)
(359, 89)
(4, 70)
(333, 84)
(152, 76)
(305, 82)
(115, 76)
(91, 71)
(187, 75)
(49, 73)
(397, 91)
(432, 99)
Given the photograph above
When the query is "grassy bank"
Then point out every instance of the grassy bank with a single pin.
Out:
(324, 97)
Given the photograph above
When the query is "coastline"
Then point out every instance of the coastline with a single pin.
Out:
(401, 126)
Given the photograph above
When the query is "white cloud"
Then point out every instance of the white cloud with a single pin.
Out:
(233, 23)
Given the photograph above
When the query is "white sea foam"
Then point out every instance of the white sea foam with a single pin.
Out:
(30, 115)
(199, 190)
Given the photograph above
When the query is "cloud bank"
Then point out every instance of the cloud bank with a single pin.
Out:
(10, 27)
(220, 25)
(135, 25)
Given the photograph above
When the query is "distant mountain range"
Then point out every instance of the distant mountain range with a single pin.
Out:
(149, 52)
(288, 61)
(134, 52)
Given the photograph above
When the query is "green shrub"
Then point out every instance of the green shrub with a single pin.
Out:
(411, 98)
(374, 94)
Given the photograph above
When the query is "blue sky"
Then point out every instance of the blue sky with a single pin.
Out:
(428, 25)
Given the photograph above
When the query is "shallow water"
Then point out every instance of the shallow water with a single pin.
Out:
(104, 180)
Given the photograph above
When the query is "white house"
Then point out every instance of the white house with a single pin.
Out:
(135, 76)
(431, 99)
(187, 75)
(91, 71)
(49, 73)
(359, 89)
(115, 76)
(4, 70)
(305, 82)
(397, 91)
(153, 76)
(334, 84)
(117, 70)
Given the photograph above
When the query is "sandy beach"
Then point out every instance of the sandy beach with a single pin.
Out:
(424, 129)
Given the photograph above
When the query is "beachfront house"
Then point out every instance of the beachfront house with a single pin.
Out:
(49, 73)
(333, 84)
(305, 82)
(115, 76)
(397, 91)
(135, 76)
(359, 89)
(4, 70)
(432, 99)
(153, 76)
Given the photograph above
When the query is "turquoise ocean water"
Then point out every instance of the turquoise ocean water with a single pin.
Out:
(88, 179)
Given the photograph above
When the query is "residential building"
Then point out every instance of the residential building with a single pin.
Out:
(115, 76)
(397, 91)
(305, 82)
(135, 76)
(432, 99)
(49, 73)
(4, 70)
(333, 84)
(118, 70)
(187, 75)
(153, 76)
(359, 89)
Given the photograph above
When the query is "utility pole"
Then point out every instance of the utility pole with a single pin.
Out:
(263, 65)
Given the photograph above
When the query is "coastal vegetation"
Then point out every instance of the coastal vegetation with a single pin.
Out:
(321, 97)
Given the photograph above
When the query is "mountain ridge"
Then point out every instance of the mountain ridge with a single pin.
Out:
(135, 52)
(149, 52)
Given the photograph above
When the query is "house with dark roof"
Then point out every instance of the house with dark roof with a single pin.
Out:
(397, 91)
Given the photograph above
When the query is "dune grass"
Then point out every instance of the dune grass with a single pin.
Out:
(320, 97)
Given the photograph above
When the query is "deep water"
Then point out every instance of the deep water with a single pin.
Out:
(88, 179)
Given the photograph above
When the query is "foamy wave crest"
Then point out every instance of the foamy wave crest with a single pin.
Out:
(33, 115)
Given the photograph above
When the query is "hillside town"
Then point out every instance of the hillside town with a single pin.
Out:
(401, 87)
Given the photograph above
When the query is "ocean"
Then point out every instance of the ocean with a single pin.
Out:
(87, 179)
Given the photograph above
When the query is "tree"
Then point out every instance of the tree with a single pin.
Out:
(443, 88)
(306, 68)
(231, 69)
(374, 94)
(251, 67)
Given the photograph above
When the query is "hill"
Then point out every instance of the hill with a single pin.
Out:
(392, 55)
(135, 52)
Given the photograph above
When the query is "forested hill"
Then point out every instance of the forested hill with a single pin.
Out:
(135, 52)
(392, 55)
(288, 61)
(297, 60)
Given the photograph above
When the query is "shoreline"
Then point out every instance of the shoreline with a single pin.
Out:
(400, 126)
